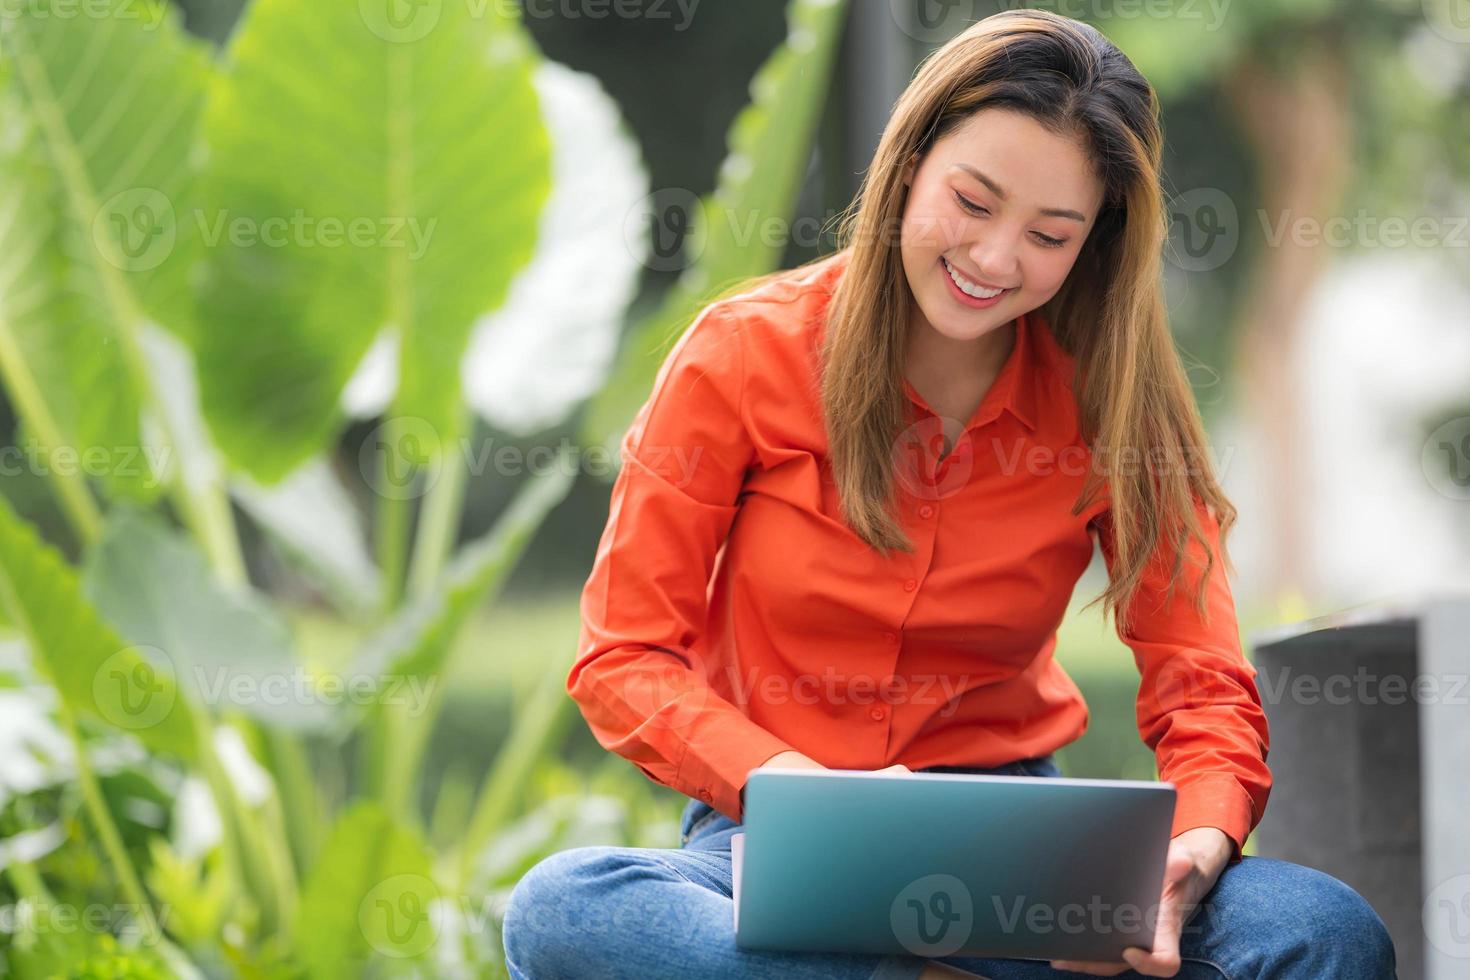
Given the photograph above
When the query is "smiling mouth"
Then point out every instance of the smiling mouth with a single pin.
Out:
(966, 286)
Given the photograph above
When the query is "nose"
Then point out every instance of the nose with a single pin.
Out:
(995, 260)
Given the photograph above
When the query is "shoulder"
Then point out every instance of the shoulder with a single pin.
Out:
(774, 328)
(790, 304)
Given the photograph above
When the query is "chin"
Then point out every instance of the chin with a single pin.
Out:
(969, 324)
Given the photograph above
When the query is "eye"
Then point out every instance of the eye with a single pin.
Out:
(1046, 241)
(969, 205)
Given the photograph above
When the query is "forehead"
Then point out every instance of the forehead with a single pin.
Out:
(1033, 164)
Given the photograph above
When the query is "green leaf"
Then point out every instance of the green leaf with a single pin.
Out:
(769, 147)
(96, 673)
(67, 290)
(402, 192)
(196, 896)
(368, 897)
(230, 649)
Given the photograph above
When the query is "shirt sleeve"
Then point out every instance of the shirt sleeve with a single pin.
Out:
(1198, 708)
(641, 679)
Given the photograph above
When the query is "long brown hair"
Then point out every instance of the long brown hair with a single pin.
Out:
(1132, 392)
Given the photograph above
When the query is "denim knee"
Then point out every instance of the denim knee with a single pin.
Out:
(539, 931)
(1355, 927)
(1324, 922)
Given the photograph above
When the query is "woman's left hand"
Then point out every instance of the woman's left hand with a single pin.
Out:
(1196, 858)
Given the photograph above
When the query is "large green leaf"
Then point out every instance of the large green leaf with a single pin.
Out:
(98, 113)
(548, 348)
(367, 174)
(95, 671)
(229, 647)
(769, 147)
(368, 897)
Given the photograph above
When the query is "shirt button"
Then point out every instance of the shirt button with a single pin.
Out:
(706, 795)
(890, 636)
(910, 585)
(877, 713)
(926, 511)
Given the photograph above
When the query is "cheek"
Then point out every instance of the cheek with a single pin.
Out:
(923, 226)
(1046, 273)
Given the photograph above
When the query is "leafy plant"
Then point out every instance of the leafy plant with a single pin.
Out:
(183, 298)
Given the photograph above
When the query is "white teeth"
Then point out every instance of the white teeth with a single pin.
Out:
(967, 287)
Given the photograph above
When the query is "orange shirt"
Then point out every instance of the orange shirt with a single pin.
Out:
(731, 615)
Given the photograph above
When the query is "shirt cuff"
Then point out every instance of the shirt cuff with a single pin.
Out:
(1219, 802)
(715, 767)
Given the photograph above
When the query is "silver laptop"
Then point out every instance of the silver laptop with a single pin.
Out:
(950, 864)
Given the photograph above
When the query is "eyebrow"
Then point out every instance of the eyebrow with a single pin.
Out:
(995, 189)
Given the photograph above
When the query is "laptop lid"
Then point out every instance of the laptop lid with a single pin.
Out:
(942, 864)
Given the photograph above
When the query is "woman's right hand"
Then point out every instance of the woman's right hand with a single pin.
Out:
(797, 760)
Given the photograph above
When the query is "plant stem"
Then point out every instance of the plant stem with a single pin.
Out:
(112, 843)
(534, 730)
(299, 804)
(398, 178)
(393, 507)
(269, 874)
(405, 733)
(440, 517)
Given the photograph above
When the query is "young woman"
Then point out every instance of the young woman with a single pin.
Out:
(852, 512)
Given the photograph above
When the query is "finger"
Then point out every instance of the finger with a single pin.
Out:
(1163, 959)
(1151, 964)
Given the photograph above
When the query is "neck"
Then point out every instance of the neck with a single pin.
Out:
(930, 355)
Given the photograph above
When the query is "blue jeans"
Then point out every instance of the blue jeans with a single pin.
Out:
(643, 913)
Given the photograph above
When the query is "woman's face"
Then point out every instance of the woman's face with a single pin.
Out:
(1006, 204)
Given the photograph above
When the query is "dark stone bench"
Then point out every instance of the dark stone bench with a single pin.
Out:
(1370, 753)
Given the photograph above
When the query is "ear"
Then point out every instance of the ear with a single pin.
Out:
(909, 170)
